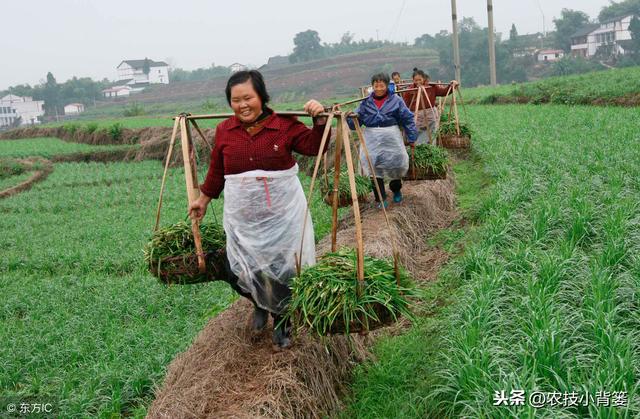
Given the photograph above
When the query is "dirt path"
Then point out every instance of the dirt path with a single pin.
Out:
(227, 373)
(38, 175)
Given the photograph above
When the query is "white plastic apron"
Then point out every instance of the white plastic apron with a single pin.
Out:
(387, 152)
(263, 218)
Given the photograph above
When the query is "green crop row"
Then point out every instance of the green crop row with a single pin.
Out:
(49, 147)
(616, 86)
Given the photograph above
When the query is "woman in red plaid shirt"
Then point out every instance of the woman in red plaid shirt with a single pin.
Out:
(264, 204)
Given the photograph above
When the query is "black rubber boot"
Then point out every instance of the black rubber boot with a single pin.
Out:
(381, 186)
(281, 333)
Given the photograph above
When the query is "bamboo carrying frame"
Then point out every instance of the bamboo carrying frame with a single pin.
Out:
(343, 143)
(460, 142)
(183, 124)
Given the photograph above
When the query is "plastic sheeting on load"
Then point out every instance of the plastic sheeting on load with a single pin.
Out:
(387, 152)
(263, 219)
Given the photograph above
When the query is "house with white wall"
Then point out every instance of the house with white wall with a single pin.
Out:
(24, 107)
(550, 55)
(135, 75)
(73, 108)
(132, 72)
(608, 37)
(580, 40)
(235, 67)
(117, 91)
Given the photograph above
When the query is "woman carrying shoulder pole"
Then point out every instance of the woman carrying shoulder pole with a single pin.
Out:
(382, 115)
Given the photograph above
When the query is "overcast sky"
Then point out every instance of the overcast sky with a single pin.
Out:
(91, 37)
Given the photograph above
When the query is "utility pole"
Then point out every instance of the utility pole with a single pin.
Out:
(456, 45)
(492, 44)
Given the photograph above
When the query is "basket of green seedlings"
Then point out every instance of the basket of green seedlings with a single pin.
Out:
(427, 162)
(325, 298)
(448, 136)
(363, 188)
(171, 254)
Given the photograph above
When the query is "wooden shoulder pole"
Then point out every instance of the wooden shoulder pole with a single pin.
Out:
(336, 183)
(191, 178)
(354, 199)
(325, 137)
(166, 168)
(455, 111)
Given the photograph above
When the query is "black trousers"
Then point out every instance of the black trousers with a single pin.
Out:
(395, 186)
(282, 292)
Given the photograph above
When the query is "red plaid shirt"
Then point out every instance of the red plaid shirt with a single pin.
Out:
(235, 151)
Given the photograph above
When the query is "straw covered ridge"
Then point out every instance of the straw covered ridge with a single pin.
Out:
(427, 206)
(229, 373)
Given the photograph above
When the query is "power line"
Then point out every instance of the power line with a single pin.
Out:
(394, 28)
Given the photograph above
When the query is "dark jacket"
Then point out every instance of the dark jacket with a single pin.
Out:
(393, 112)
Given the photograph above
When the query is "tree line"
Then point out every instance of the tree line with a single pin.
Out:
(473, 40)
(308, 46)
(56, 95)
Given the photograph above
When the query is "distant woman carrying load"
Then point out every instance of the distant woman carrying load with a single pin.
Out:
(264, 205)
(382, 113)
(428, 117)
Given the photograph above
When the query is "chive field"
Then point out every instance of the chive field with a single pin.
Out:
(544, 296)
(541, 292)
(83, 325)
(130, 122)
(49, 147)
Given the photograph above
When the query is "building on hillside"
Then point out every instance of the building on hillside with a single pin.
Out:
(73, 109)
(133, 72)
(550, 55)
(235, 67)
(135, 75)
(580, 40)
(8, 116)
(117, 91)
(607, 38)
(28, 110)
